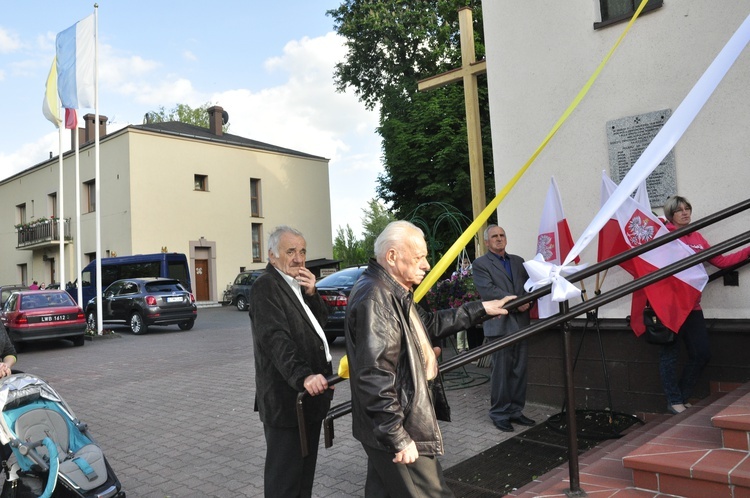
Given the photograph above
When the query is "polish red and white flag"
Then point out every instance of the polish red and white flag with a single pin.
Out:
(634, 224)
(553, 242)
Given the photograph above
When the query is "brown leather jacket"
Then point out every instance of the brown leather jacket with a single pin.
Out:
(391, 400)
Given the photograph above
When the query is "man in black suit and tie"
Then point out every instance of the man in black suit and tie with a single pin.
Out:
(498, 274)
(291, 355)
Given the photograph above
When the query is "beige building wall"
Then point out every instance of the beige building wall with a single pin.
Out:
(539, 56)
(149, 203)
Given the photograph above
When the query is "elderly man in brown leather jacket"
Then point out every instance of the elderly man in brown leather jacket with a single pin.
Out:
(391, 362)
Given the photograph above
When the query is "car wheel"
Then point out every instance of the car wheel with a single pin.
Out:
(186, 325)
(241, 303)
(137, 325)
(78, 340)
(91, 320)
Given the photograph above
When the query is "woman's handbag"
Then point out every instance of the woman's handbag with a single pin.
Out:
(656, 332)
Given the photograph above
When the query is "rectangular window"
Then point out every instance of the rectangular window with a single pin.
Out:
(89, 188)
(52, 205)
(21, 214)
(201, 183)
(614, 11)
(255, 197)
(257, 231)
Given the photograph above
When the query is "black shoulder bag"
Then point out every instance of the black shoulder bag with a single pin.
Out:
(656, 332)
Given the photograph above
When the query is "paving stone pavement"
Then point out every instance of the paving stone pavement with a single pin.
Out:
(173, 410)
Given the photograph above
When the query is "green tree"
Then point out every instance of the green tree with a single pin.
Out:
(184, 114)
(392, 44)
(347, 248)
(377, 216)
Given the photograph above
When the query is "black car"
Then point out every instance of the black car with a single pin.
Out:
(241, 288)
(143, 302)
(335, 289)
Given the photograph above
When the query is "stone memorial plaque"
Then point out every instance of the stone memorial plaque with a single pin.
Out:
(628, 138)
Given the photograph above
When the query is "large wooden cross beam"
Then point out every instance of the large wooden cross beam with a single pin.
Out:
(468, 72)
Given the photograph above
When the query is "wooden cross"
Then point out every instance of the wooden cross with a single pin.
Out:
(468, 72)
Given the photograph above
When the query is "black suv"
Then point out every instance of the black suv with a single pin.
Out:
(141, 302)
(241, 288)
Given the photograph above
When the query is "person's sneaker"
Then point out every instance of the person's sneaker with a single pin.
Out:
(687, 405)
(504, 425)
(676, 408)
(523, 420)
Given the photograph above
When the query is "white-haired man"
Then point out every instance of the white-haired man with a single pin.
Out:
(391, 362)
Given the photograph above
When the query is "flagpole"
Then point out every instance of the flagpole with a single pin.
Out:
(78, 245)
(97, 182)
(60, 211)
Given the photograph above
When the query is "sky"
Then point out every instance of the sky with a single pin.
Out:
(268, 64)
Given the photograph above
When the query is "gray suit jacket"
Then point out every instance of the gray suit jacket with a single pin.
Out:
(493, 282)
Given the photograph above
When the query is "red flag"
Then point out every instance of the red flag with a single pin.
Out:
(553, 243)
(71, 119)
(672, 298)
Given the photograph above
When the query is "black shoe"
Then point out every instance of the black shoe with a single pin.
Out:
(523, 420)
(504, 425)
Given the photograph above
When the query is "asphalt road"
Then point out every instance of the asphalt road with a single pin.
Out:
(173, 410)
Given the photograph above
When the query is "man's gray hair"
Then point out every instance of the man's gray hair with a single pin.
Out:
(273, 239)
(487, 231)
(394, 235)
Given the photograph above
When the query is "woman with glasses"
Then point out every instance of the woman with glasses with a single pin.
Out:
(693, 332)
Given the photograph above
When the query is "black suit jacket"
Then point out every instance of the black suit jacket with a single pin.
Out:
(287, 350)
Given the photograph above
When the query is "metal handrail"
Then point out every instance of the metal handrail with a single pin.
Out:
(564, 317)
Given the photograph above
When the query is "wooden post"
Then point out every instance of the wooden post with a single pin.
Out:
(468, 72)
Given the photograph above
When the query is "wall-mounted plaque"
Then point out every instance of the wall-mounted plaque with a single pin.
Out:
(628, 138)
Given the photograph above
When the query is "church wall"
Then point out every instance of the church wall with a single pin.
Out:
(539, 56)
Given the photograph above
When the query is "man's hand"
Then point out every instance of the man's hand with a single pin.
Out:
(306, 281)
(495, 307)
(315, 384)
(407, 455)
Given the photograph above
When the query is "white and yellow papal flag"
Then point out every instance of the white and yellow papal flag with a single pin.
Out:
(51, 103)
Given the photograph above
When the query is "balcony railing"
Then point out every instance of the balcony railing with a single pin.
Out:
(41, 232)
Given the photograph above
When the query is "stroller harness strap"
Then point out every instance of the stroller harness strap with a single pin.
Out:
(87, 470)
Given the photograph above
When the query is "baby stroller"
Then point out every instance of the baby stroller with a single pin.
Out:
(46, 445)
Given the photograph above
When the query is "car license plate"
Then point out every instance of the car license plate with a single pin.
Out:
(174, 299)
(53, 318)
